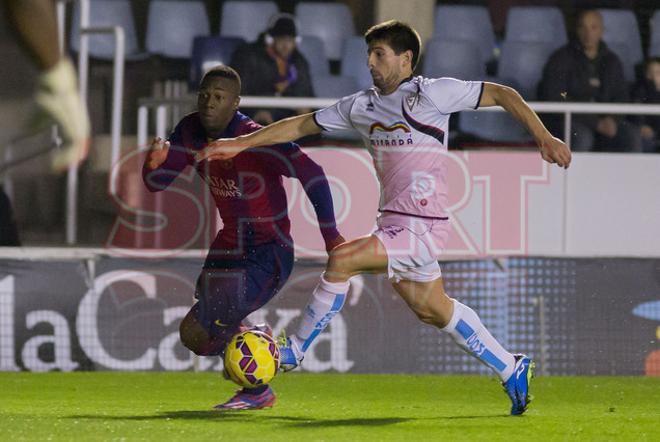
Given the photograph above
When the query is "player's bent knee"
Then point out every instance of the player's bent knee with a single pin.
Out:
(199, 345)
(340, 262)
(193, 336)
(189, 340)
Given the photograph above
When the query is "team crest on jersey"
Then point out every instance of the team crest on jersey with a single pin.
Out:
(411, 100)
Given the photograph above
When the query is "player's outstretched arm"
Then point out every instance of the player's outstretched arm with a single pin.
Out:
(281, 131)
(553, 150)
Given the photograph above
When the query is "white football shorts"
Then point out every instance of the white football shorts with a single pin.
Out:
(413, 245)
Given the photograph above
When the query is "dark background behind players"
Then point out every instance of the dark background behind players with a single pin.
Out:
(647, 91)
(587, 70)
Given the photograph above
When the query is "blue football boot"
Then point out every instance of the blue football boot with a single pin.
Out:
(517, 386)
(290, 353)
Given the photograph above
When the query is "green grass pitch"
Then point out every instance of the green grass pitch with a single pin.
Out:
(177, 406)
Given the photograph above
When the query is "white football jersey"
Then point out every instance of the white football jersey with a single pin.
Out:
(406, 133)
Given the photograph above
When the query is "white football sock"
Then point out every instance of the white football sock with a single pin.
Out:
(467, 330)
(328, 298)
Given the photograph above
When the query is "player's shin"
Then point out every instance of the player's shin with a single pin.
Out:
(467, 330)
(328, 298)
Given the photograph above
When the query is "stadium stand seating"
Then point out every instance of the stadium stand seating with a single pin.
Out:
(621, 27)
(654, 38)
(336, 86)
(354, 61)
(313, 49)
(447, 58)
(537, 24)
(523, 62)
(471, 23)
(246, 19)
(104, 13)
(495, 127)
(172, 27)
(210, 51)
(331, 22)
(623, 51)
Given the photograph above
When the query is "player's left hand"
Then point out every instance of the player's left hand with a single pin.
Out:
(222, 149)
(554, 150)
(331, 244)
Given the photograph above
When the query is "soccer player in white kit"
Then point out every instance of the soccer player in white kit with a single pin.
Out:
(403, 121)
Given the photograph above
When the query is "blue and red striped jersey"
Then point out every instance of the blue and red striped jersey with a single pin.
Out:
(247, 189)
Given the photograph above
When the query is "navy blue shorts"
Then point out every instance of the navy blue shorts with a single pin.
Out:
(228, 290)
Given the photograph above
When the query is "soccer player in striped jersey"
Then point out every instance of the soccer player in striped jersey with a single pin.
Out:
(403, 121)
(252, 256)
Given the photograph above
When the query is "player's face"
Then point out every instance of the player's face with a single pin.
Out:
(217, 102)
(284, 46)
(590, 30)
(386, 67)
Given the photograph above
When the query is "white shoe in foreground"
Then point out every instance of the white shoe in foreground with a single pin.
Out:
(290, 354)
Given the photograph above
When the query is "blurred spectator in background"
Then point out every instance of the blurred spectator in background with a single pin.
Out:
(273, 66)
(647, 91)
(57, 98)
(586, 70)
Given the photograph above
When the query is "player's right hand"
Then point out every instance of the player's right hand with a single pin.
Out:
(554, 151)
(157, 153)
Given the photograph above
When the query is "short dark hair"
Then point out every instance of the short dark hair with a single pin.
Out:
(284, 25)
(223, 71)
(399, 36)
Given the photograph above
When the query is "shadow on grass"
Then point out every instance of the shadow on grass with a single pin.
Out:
(252, 416)
(289, 421)
(483, 416)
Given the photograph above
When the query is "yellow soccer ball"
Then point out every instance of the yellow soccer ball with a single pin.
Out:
(252, 358)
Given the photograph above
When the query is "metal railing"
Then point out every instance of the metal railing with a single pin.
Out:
(118, 63)
(162, 107)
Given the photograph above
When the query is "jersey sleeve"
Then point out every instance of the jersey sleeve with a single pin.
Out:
(451, 95)
(337, 116)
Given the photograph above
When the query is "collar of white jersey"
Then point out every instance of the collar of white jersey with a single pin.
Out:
(406, 80)
(410, 78)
